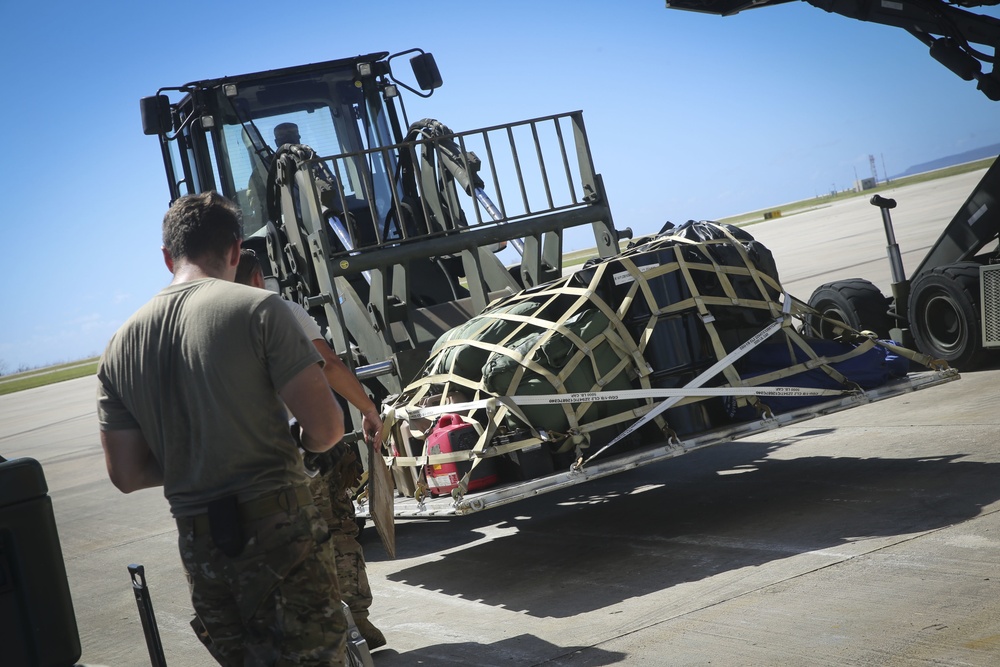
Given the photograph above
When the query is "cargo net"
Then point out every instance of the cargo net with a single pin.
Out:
(681, 333)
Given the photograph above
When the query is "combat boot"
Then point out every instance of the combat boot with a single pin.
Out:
(373, 636)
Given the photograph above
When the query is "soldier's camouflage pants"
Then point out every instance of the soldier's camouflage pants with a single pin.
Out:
(278, 602)
(337, 509)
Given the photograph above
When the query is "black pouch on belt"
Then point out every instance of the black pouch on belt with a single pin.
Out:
(225, 526)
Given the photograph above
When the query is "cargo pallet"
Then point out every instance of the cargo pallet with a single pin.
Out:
(406, 507)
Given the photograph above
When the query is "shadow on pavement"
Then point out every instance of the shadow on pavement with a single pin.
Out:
(520, 650)
(419, 537)
(709, 512)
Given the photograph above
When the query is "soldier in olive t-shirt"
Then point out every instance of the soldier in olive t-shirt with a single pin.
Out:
(158, 369)
(191, 397)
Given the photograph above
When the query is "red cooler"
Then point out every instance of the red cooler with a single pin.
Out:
(451, 434)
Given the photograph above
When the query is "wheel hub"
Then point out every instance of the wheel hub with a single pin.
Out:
(943, 323)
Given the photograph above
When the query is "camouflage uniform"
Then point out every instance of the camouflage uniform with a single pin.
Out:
(331, 488)
(271, 604)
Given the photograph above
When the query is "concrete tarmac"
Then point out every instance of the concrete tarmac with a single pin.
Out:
(867, 537)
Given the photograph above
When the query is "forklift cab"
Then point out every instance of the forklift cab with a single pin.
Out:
(221, 134)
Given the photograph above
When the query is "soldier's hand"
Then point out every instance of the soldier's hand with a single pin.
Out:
(371, 425)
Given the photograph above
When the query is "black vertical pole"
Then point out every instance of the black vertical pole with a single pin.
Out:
(145, 604)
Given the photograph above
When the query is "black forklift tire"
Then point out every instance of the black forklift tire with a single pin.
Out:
(945, 318)
(856, 302)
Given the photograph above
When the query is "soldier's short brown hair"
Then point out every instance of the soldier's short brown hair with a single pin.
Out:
(203, 225)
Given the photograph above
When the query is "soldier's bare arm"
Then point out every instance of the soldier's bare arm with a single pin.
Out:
(309, 398)
(345, 383)
(130, 462)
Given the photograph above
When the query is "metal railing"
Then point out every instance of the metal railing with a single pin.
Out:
(488, 186)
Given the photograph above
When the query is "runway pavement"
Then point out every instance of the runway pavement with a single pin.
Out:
(868, 537)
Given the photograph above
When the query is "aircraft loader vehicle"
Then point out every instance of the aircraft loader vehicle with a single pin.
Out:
(949, 306)
(433, 261)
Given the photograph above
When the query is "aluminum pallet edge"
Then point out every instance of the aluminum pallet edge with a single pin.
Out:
(475, 502)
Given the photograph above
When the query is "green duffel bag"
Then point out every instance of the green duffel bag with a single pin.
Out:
(489, 327)
(553, 353)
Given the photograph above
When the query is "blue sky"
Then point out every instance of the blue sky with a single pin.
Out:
(689, 116)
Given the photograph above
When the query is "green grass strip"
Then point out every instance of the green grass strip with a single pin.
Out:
(45, 376)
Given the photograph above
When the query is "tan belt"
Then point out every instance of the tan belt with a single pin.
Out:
(286, 500)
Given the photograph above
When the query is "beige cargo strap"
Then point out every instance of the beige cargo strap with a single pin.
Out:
(925, 360)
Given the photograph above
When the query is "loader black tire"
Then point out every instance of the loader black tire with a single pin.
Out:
(945, 317)
(856, 302)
